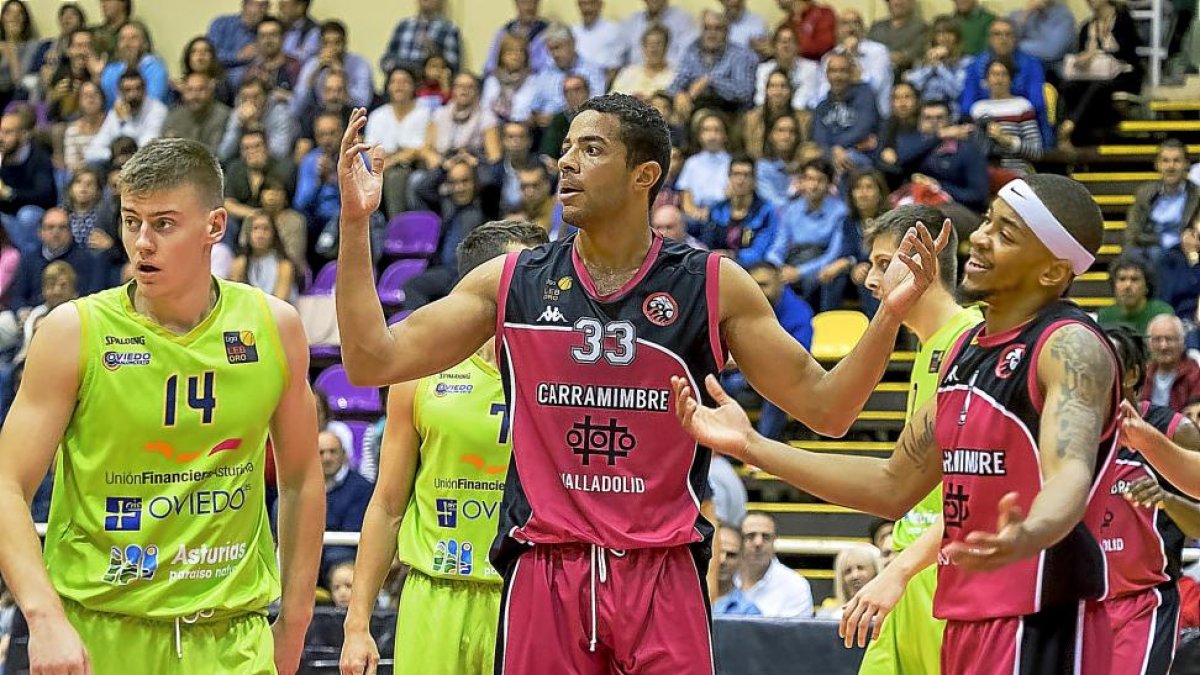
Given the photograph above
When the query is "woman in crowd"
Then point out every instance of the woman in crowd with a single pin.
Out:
(93, 219)
(134, 50)
(853, 567)
(463, 129)
(906, 104)
(263, 263)
(804, 74)
(702, 181)
(51, 53)
(199, 56)
(1107, 63)
(778, 162)
(434, 88)
(64, 73)
(399, 127)
(776, 104)
(10, 260)
(289, 224)
(941, 75)
(18, 45)
(79, 133)
(653, 74)
(868, 201)
(1008, 123)
(511, 87)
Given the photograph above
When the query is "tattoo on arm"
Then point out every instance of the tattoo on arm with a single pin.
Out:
(916, 442)
(1084, 391)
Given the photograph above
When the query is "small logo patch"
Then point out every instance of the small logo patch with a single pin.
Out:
(661, 309)
(114, 360)
(1009, 361)
(240, 347)
(553, 315)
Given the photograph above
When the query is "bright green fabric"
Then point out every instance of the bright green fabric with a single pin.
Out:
(158, 508)
(446, 627)
(910, 640)
(122, 645)
(923, 386)
(459, 415)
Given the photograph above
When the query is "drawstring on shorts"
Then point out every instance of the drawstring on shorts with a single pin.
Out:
(202, 614)
(599, 567)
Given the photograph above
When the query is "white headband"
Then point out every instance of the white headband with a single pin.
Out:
(1038, 218)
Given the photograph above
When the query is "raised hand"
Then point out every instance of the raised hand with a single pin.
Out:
(904, 284)
(361, 186)
(1135, 431)
(987, 551)
(1146, 492)
(725, 428)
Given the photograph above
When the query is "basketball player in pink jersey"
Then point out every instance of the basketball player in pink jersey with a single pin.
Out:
(1022, 429)
(601, 541)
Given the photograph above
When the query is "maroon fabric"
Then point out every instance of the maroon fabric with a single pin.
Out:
(816, 30)
(1074, 641)
(1145, 630)
(1185, 387)
(650, 613)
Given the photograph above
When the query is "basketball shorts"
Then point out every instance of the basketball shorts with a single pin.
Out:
(1069, 640)
(122, 645)
(910, 640)
(578, 609)
(1145, 628)
(446, 627)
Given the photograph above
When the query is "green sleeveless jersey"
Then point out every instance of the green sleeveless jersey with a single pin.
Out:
(462, 423)
(158, 508)
(924, 381)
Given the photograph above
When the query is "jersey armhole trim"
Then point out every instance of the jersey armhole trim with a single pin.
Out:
(85, 352)
(712, 296)
(506, 275)
(1176, 420)
(276, 338)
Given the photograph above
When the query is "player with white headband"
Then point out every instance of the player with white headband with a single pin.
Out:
(1022, 427)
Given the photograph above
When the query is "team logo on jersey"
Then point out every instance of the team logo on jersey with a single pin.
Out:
(442, 389)
(240, 347)
(661, 309)
(955, 509)
(183, 457)
(114, 360)
(449, 511)
(122, 514)
(552, 315)
(131, 563)
(452, 557)
(480, 465)
(110, 340)
(1009, 360)
(935, 360)
(555, 289)
(610, 441)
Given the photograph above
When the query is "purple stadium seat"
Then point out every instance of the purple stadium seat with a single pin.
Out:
(412, 234)
(325, 351)
(345, 398)
(323, 284)
(399, 316)
(391, 282)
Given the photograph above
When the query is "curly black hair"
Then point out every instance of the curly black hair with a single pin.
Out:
(643, 131)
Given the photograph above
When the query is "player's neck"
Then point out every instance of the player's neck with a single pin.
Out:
(1007, 313)
(614, 251)
(178, 313)
(935, 309)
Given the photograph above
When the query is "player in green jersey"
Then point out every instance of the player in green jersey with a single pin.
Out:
(442, 469)
(159, 397)
(909, 640)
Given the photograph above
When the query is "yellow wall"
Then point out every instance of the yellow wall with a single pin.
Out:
(174, 22)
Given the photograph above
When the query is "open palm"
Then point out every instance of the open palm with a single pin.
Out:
(725, 428)
(904, 284)
(361, 186)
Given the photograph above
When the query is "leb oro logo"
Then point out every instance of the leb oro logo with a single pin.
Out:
(241, 347)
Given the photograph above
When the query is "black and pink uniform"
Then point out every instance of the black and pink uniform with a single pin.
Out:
(601, 539)
(1144, 549)
(1040, 615)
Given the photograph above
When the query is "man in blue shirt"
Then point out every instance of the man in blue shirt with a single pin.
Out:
(730, 601)
(744, 224)
(714, 73)
(1029, 81)
(234, 35)
(956, 167)
(317, 196)
(1163, 208)
(548, 97)
(1045, 31)
(809, 235)
(844, 123)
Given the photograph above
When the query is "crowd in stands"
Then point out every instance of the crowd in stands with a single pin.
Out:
(789, 141)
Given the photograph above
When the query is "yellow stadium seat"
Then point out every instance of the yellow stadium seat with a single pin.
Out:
(836, 332)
